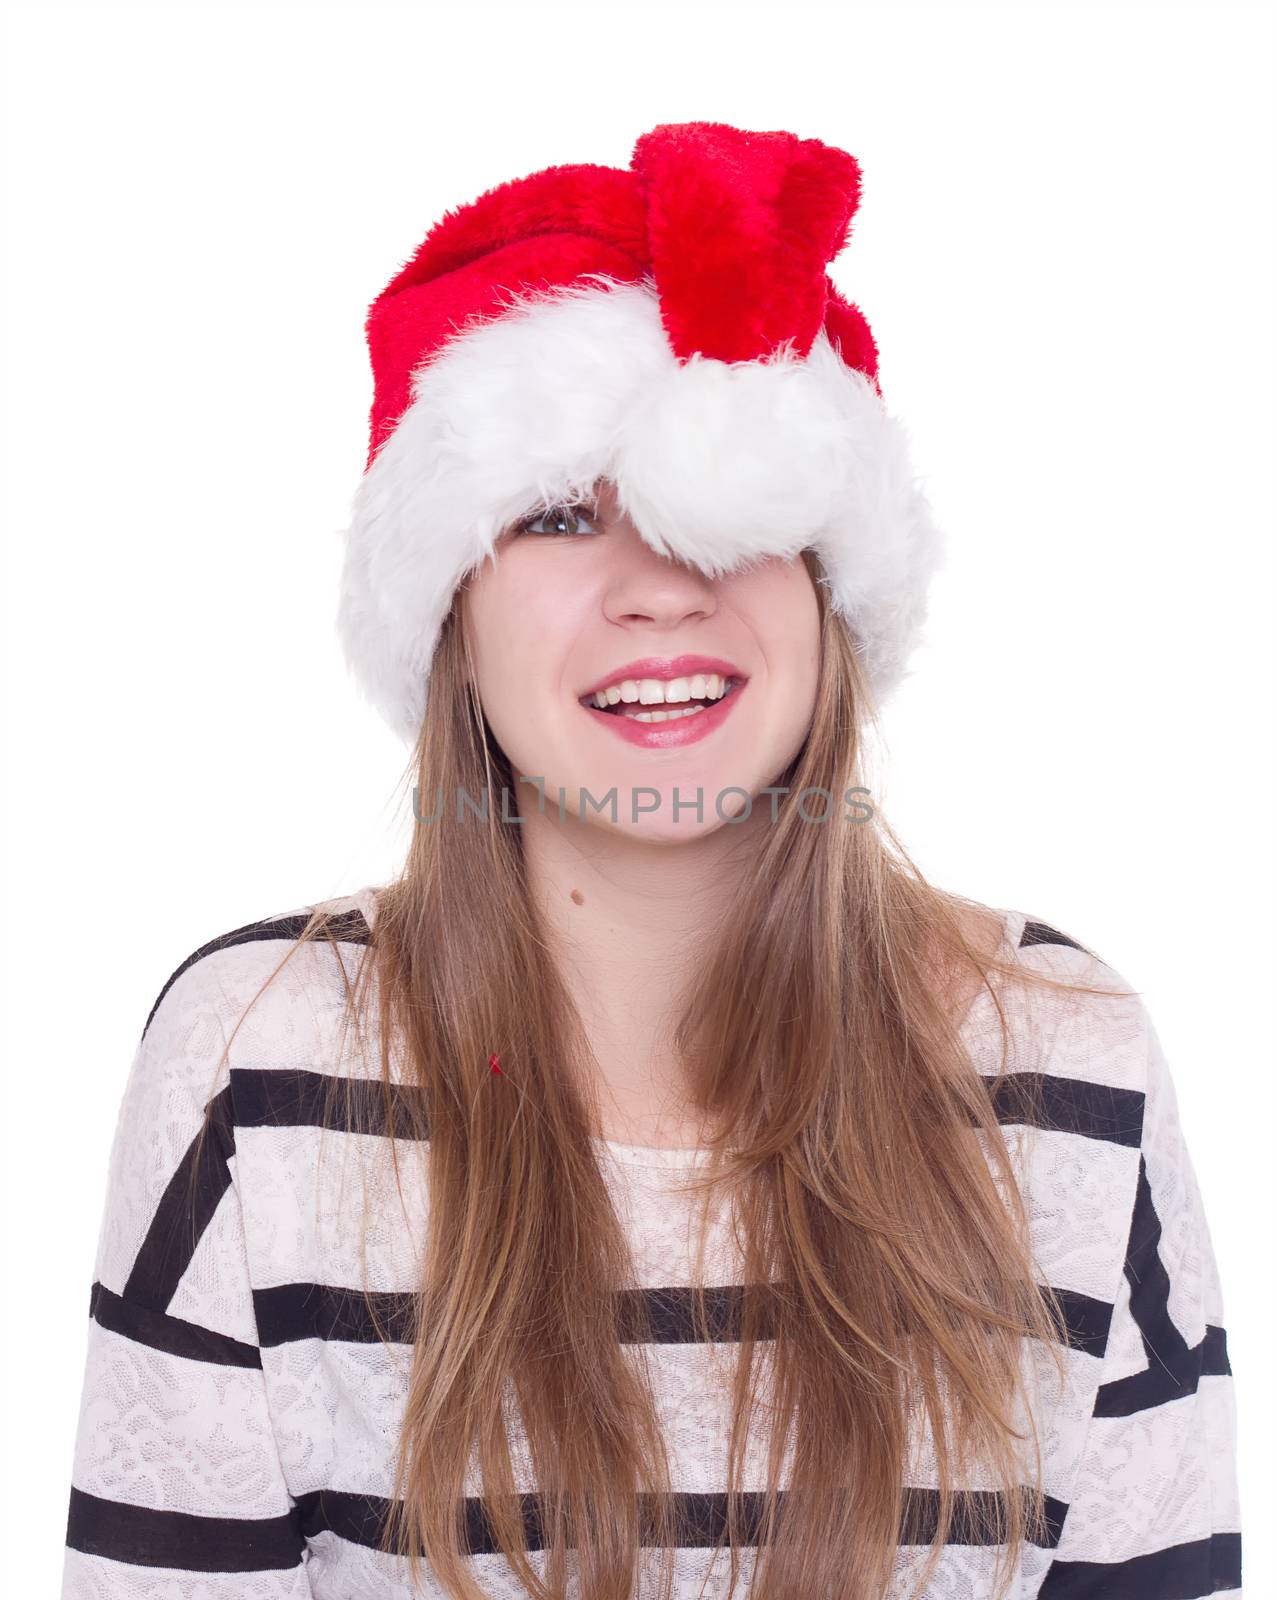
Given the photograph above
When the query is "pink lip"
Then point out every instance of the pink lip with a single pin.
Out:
(665, 668)
(678, 731)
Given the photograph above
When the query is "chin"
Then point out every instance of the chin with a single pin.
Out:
(719, 794)
(659, 828)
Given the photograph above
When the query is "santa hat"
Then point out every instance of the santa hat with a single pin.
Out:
(670, 326)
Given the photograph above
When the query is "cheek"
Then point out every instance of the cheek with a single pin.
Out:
(797, 613)
(783, 610)
(486, 614)
(519, 625)
(503, 620)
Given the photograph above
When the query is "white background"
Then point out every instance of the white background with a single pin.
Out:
(1065, 248)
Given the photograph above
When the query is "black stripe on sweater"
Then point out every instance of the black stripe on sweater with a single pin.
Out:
(1087, 1321)
(1191, 1571)
(293, 1097)
(185, 1210)
(143, 1537)
(298, 1098)
(347, 927)
(1174, 1366)
(173, 1335)
(700, 1519)
(1043, 933)
(1069, 1105)
(290, 1312)
(1156, 1386)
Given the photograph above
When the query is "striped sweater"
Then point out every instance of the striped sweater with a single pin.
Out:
(239, 1412)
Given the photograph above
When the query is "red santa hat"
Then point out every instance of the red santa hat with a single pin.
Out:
(670, 326)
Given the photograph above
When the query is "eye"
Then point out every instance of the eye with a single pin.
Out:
(562, 517)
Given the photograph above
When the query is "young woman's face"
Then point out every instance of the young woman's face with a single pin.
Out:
(577, 603)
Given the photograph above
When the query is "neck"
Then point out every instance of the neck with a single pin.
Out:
(627, 918)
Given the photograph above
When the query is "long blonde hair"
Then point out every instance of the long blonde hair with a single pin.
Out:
(887, 1273)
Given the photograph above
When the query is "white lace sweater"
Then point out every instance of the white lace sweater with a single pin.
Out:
(239, 1412)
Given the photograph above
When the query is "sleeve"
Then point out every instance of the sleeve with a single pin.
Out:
(1155, 1507)
(176, 1483)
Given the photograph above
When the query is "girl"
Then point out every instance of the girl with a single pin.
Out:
(659, 1187)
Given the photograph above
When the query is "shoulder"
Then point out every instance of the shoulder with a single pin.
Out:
(1066, 1015)
(1111, 1172)
(284, 960)
(179, 1088)
(1106, 1157)
(1067, 1056)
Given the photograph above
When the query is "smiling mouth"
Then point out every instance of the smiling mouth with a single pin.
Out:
(662, 710)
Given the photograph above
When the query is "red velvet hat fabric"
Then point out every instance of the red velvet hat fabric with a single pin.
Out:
(735, 229)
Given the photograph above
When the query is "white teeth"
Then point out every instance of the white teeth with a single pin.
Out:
(657, 691)
(666, 716)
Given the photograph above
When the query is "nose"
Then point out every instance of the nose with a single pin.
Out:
(648, 587)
